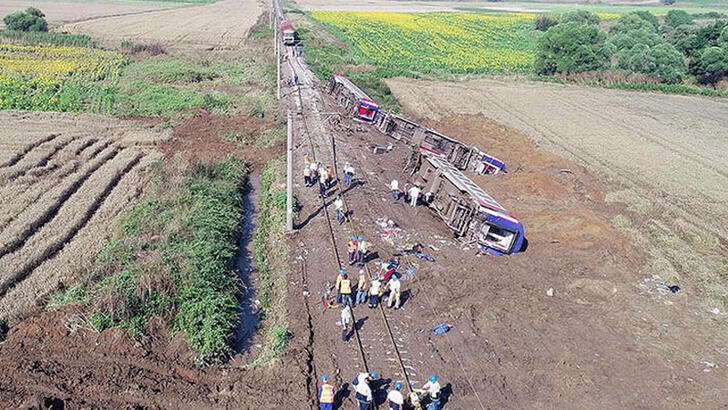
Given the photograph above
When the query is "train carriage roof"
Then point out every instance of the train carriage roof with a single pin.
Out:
(353, 88)
(464, 183)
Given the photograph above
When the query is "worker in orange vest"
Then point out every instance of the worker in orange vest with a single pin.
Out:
(345, 290)
(326, 394)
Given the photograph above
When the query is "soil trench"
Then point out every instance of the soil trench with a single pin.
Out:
(245, 333)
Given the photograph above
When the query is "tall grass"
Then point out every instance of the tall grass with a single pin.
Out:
(32, 38)
(172, 258)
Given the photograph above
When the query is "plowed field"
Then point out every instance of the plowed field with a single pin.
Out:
(668, 150)
(221, 25)
(63, 180)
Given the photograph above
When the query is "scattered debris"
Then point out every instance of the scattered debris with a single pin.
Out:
(657, 287)
(410, 272)
(566, 171)
(440, 328)
(434, 248)
(716, 311)
(550, 292)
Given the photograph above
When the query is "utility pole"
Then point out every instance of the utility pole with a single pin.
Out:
(289, 182)
(278, 66)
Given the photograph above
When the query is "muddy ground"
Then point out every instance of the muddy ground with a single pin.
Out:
(574, 321)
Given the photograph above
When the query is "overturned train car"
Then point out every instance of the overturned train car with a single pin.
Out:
(352, 98)
(431, 142)
(469, 211)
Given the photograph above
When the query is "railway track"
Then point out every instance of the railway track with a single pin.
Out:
(386, 355)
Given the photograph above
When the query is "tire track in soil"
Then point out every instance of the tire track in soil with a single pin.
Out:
(61, 271)
(23, 262)
(17, 157)
(16, 236)
(15, 198)
(36, 158)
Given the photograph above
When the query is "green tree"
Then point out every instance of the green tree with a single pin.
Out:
(630, 22)
(676, 18)
(580, 17)
(31, 19)
(545, 21)
(628, 39)
(648, 17)
(723, 39)
(710, 65)
(571, 48)
(670, 63)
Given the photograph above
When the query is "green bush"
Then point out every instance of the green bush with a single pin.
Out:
(631, 22)
(628, 39)
(648, 17)
(661, 61)
(32, 38)
(711, 65)
(580, 17)
(571, 48)
(676, 18)
(545, 21)
(31, 19)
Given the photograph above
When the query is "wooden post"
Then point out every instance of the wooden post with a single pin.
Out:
(289, 182)
(278, 69)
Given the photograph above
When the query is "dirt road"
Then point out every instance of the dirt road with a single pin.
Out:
(669, 149)
(63, 180)
(219, 26)
(70, 10)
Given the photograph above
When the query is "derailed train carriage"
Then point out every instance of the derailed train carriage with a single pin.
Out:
(468, 210)
(433, 143)
(352, 98)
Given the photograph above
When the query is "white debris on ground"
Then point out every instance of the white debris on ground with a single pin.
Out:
(657, 288)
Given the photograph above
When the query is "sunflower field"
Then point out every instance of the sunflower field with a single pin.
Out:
(48, 78)
(437, 42)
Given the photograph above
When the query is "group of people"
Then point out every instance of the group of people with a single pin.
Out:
(316, 172)
(366, 383)
(411, 194)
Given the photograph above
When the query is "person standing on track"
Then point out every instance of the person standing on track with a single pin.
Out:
(394, 187)
(432, 387)
(326, 394)
(345, 290)
(345, 321)
(351, 250)
(363, 390)
(375, 289)
(414, 195)
(339, 277)
(362, 249)
(307, 176)
(329, 176)
(339, 206)
(348, 174)
(322, 185)
(361, 288)
(395, 397)
(395, 287)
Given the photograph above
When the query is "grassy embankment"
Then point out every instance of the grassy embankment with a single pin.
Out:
(271, 262)
(172, 258)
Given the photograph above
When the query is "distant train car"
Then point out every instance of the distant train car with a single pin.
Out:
(289, 34)
(468, 210)
(351, 97)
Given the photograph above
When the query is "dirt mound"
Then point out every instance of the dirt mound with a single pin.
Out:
(222, 25)
(208, 137)
(57, 359)
(63, 180)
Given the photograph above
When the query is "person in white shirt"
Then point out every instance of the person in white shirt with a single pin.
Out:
(395, 398)
(394, 186)
(375, 288)
(339, 206)
(395, 287)
(345, 321)
(414, 195)
(363, 390)
(432, 387)
(348, 174)
(362, 249)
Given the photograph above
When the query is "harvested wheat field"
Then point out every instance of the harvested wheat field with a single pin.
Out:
(70, 10)
(668, 151)
(221, 25)
(63, 180)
